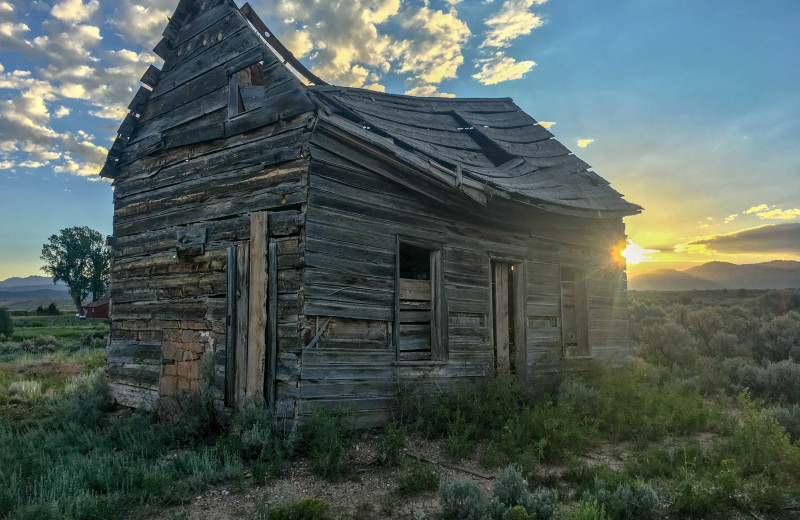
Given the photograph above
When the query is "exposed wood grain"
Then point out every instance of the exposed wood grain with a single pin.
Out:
(242, 321)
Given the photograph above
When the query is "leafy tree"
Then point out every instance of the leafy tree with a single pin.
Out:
(79, 257)
(52, 309)
(6, 323)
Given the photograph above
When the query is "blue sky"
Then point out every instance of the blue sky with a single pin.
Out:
(691, 109)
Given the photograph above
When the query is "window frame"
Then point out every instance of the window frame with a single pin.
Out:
(581, 302)
(439, 311)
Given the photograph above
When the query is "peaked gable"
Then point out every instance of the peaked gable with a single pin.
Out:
(219, 78)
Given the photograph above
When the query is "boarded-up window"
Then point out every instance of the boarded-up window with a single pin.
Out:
(419, 322)
(574, 313)
(246, 89)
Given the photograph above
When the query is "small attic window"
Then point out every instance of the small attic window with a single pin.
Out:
(246, 89)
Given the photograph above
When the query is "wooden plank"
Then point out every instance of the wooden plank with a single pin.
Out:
(230, 328)
(242, 321)
(256, 334)
(411, 289)
(501, 316)
(272, 322)
(439, 310)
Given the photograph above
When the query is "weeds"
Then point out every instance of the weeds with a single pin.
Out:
(417, 477)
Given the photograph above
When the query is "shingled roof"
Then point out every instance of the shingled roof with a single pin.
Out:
(489, 141)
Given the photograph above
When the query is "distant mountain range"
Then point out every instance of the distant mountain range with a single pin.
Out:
(778, 274)
(32, 287)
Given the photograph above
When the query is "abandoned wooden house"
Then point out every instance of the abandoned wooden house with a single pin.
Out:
(330, 246)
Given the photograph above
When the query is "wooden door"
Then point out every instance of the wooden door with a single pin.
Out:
(503, 355)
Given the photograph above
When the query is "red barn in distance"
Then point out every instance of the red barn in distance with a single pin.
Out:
(97, 309)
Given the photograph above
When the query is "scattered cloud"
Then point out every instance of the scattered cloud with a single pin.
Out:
(501, 68)
(773, 238)
(764, 211)
(74, 10)
(143, 21)
(731, 218)
(61, 112)
(547, 124)
(756, 209)
(514, 19)
(6, 165)
(32, 164)
(583, 143)
(779, 214)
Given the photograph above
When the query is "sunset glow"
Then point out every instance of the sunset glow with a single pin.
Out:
(635, 254)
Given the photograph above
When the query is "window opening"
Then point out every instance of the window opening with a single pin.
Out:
(504, 312)
(419, 321)
(574, 313)
(246, 89)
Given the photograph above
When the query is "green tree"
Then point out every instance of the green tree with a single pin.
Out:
(79, 257)
(6, 323)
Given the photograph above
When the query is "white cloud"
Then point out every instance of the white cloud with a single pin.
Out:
(583, 143)
(32, 164)
(74, 10)
(514, 19)
(347, 45)
(547, 124)
(731, 218)
(756, 209)
(501, 68)
(6, 165)
(61, 112)
(114, 112)
(143, 21)
(427, 91)
(434, 53)
(779, 214)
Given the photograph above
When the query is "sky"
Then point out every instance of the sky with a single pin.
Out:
(690, 109)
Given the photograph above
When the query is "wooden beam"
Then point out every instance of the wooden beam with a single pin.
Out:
(242, 321)
(272, 324)
(230, 329)
(256, 331)
(501, 329)
(520, 321)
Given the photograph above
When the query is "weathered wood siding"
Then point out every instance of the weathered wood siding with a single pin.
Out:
(353, 218)
(190, 176)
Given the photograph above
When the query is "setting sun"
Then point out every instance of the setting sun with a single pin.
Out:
(634, 254)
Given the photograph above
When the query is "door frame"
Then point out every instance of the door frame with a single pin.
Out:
(519, 313)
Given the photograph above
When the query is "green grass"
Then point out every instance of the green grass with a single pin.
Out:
(63, 327)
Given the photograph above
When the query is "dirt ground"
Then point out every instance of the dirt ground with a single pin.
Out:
(369, 491)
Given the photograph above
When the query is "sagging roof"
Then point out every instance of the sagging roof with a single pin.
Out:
(489, 141)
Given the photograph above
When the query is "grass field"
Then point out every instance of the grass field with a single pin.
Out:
(704, 422)
(65, 327)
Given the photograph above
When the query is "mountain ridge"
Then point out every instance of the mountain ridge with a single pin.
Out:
(776, 274)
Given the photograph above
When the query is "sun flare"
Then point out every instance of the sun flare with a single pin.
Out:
(634, 254)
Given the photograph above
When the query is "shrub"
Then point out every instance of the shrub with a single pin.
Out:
(391, 444)
(306, 509)
(588, 511)
(781, 337)
(704, 495)
(726, 345)
(25, 389)
(462, 500)
(772, 454)
(666, 344)
(577, 394)
(789, 417)
(6, 323)
(625, 501)
(417, 477)
(326, 439)
(704, 323)
(42, 345)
